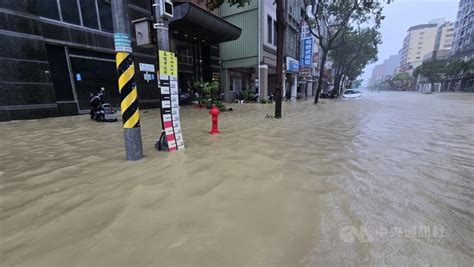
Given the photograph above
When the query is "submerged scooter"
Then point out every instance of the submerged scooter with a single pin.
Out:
(101, 111)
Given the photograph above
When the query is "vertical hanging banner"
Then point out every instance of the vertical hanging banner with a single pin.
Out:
(170, 100)
(306, 58)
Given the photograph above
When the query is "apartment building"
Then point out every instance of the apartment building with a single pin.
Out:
(463, 43)
(419, 41)
(445, 36)
(443, 42)
(382, 71)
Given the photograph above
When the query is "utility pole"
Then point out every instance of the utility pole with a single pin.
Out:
(126, 81)
(171, 137)
(161, 26)
(162, 43)
(281, 25)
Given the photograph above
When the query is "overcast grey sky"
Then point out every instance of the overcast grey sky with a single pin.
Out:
(402, 14)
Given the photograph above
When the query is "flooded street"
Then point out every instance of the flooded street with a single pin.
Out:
(386, 180)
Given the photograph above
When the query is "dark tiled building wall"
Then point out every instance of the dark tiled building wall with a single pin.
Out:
(29, 84)
(25, 88)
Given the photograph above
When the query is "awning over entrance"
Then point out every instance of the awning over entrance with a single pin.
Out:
(193, 24)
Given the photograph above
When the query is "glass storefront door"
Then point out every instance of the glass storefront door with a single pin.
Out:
(90, 74)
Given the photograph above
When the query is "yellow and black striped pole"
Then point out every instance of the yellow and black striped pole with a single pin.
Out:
(126, 81)
(128, 90)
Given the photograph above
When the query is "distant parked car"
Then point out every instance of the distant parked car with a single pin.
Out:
(352, 94)
(329, 94)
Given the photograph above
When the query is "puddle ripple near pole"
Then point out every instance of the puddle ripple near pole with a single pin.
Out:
(264, 192)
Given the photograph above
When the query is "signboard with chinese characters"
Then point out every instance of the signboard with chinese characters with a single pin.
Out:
(306, 58)
(292, 65)
(168, 74)
(305, 71)
(168, 63)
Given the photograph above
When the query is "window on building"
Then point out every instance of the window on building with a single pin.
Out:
(105, 15)
(236, 85)
(89, 14)
(48, 9)
(70, 11)
(185, 54)
(417, 57)
(275, 33)
(269, 29)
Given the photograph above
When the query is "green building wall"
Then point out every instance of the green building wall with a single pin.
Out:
(243, 51)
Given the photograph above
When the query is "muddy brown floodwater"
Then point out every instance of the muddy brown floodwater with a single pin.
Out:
(386, 180)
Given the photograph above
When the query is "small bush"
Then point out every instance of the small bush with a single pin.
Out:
(248, 95)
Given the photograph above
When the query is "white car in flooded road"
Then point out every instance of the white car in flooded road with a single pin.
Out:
(352, 94)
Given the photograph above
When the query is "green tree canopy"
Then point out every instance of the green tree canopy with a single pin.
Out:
(330, 20)
(434, 70)
(359, 48)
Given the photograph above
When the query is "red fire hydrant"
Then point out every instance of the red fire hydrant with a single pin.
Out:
(214, 113)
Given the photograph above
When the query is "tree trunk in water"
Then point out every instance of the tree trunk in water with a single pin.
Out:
(337, 83)
(341, 86)
(320, 78)
(280, 6)
(462, 84)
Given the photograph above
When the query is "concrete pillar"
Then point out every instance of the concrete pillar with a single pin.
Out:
(309, 89)
(226, 88)
(294, 88)
(303, 90)
(263, 70)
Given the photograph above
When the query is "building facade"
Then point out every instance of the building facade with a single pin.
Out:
(387, 69)
(391, 65)
(419, 41)
(463, 44)
(240, 58)
(55, 53)
(293, 81)
(377, 74)
(249, 63)
(445, 36)
(443, 42)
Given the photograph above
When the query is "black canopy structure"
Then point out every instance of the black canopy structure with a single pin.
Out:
(193, 24)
